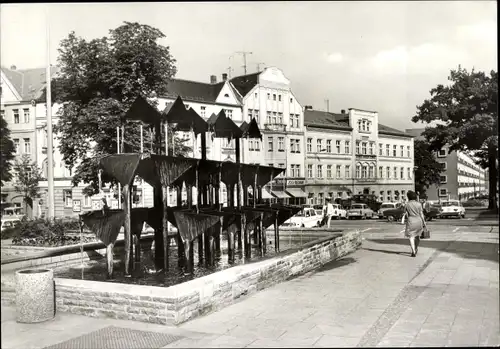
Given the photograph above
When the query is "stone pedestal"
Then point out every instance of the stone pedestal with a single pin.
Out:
(35, 295)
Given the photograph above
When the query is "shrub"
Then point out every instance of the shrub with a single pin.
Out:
(45, 232)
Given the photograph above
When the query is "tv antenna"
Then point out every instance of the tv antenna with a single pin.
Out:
(258, 66)
(244, 54)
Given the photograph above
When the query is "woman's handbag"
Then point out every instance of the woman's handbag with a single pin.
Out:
(426, 234)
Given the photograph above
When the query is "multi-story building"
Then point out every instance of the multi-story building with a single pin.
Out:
(461, 178)
(267, 97)
(351, 153)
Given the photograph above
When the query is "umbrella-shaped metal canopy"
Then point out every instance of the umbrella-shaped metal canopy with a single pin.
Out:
(223, 127)
(186, 119)
(141, 110)
(251, 130)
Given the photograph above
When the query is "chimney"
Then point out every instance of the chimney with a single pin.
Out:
(308, 107)
(12, 67)
(224, 77)
(213, 79)
(342, 111)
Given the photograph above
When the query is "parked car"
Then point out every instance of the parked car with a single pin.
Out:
(387, 206)
(452, 208)
(339, 212)
(361, 211)
(9, 223)
(432, 211)
(306, 218)
(394, 214)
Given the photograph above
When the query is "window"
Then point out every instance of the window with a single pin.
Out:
(256, 114)
(26, 113)
(364, 148)
(402, 173)
(86, 201)
(274, 96)
(409, 173)
(229, 113)
(270, 143)
(68, 198)
(291, 100)
(295, 170)
(395, 173)
(340, 194)
(268, 120)
(358, 171)
(388, 172)
(310, 171)
(279, 98)
(297, 120)
(380, 149)
(380, 172)
(204, 111)
(347, 171)
(280, 118)
(370, 172)
(368, 126)
(443, 192)
(328, 171)
(408, 155)
(319, 145)
(16, 145)
(268, 96)
(295, 145)
(328, 145)
(320, 198)
(371, 148)
(281, 143)
(337, 145)
(387, 150)
(255, 94)
(444, 166)
(394, 150)
(338, 174)
(443, 179)
(309, 145)
(442, 153)
(2, 114)
(27, 146)
(274, 118)
(319, 171)
(357, 147)
(16, 115)
(364, 125)
(347, 147)
(364, 173)
(401, 148)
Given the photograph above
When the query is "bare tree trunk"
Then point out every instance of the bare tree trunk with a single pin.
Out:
(493, 176)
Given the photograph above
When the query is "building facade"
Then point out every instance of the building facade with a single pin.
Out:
(267, 96)
(351, 153)
(461, 178)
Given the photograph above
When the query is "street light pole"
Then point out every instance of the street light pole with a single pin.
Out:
(50, 147)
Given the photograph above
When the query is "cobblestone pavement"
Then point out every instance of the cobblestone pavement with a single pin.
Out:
(378, 296)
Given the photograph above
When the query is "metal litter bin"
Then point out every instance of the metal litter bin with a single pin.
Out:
(35, 295)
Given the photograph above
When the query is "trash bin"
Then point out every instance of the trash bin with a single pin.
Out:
(34, 295)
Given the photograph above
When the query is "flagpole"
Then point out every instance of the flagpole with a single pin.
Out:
(50, 147)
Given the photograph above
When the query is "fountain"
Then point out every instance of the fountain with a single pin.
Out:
(207, 221)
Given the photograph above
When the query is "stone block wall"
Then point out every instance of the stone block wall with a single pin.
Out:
(180, 303)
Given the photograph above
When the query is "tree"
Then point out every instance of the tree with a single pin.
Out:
(428, 170)
(466, 114)
(97, 83)
(27, 177)
(7, 153)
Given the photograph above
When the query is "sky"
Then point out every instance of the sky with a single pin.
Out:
(377, 56)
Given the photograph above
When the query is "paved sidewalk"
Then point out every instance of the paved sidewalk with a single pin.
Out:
(378, 296)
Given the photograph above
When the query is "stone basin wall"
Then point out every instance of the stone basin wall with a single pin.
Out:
(180, 303)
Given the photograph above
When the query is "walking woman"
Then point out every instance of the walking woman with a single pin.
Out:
(415, 222)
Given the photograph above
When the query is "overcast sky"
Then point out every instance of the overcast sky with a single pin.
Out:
(380, 56)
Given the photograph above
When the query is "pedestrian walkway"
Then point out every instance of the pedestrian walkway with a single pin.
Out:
(378, 296)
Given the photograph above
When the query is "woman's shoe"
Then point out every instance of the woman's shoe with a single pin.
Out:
(413, 254)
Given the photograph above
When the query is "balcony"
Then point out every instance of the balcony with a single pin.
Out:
(275, 127)
(366, 156)
(366, 180)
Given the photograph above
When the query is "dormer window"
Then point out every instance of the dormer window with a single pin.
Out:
(368, 126)
(226, 95)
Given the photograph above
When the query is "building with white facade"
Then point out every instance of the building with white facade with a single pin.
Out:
(352, 153)
(461, 178)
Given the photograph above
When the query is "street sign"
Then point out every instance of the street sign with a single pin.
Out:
(77, 205)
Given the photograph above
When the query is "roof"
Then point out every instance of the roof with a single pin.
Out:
(193, 90)
(386, 130)
(29, 83)
(322, 119)
(245, 83)
(415, 132)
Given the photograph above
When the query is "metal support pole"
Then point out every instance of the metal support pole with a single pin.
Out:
(50, 147)
(118, 152)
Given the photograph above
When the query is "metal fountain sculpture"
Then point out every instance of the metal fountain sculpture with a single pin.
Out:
(207, 221)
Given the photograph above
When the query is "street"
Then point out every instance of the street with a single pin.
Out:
(378, 296)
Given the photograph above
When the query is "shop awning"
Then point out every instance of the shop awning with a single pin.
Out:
(280, 194)
(266, 195)
(296, 193)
